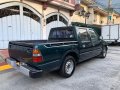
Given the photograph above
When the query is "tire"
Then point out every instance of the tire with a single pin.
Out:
(103, 53)
(68, 67)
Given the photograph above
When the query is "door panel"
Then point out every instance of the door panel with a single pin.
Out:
(60, 24)
(1, 34)
(18, 24)
(85, 46)
(10, 33)
(97, 46)
(38, 28)
(14, 29)
(85, 51)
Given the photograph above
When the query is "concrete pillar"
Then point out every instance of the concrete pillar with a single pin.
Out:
(44, 25)
(91, 17)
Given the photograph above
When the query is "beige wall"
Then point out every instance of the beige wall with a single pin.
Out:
(77, 18)
(35, 5)
(100, 19)
(116, 19)
(3, 1)
(91, 18)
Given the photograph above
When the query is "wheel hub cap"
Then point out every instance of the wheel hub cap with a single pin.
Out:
(69, 67)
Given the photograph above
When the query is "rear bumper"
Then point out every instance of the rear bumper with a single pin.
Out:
(25, 69)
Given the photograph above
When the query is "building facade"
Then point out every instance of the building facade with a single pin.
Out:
(98, 14)
(32, 19)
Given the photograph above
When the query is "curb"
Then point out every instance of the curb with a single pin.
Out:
(1, 59)
(4, 66)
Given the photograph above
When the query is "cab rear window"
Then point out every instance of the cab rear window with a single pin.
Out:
(62, 34)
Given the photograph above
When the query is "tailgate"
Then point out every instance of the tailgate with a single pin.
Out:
(21, 52)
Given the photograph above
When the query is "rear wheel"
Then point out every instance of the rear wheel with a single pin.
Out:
(103, 53)
(68, 67)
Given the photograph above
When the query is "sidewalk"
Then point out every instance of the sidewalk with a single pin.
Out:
(1, 59)
(3, 65)
(3, 56)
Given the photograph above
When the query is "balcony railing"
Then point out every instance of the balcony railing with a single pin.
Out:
(68, 1)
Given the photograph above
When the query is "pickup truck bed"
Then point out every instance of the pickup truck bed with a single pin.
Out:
(22, 51)
(36, 42)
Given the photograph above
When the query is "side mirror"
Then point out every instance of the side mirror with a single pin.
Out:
(101, 37)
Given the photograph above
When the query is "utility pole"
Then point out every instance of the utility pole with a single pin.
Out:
(109, 11)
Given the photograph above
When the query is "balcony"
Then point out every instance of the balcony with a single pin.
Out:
(68, 4)
(88, 2)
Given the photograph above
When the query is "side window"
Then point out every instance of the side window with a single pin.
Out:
(83, 35)
(93, 36)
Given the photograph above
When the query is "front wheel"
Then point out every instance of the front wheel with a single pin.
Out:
(68, 67)
(103, 53)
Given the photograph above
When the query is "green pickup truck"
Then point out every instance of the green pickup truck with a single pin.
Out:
(65, 47)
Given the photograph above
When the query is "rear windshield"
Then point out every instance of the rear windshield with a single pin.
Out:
(61, 34)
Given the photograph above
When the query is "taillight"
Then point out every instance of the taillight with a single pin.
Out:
(37, 57)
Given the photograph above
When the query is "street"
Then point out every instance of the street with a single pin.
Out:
(94, 74)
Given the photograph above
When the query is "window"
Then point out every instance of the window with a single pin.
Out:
(9, 11)
(63, 20)
(83, 35)
(51, 19)
(27, 12)
(93, 36)
(62, 34)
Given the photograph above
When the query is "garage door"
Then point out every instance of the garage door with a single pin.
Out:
(18, 22)
(56, 20)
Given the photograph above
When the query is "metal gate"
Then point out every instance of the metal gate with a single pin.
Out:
(18, 22)
(55, 20)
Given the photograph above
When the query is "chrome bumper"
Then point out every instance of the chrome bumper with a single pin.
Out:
(25, 69)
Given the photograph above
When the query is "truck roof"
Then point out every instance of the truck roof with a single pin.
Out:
(71, 27)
